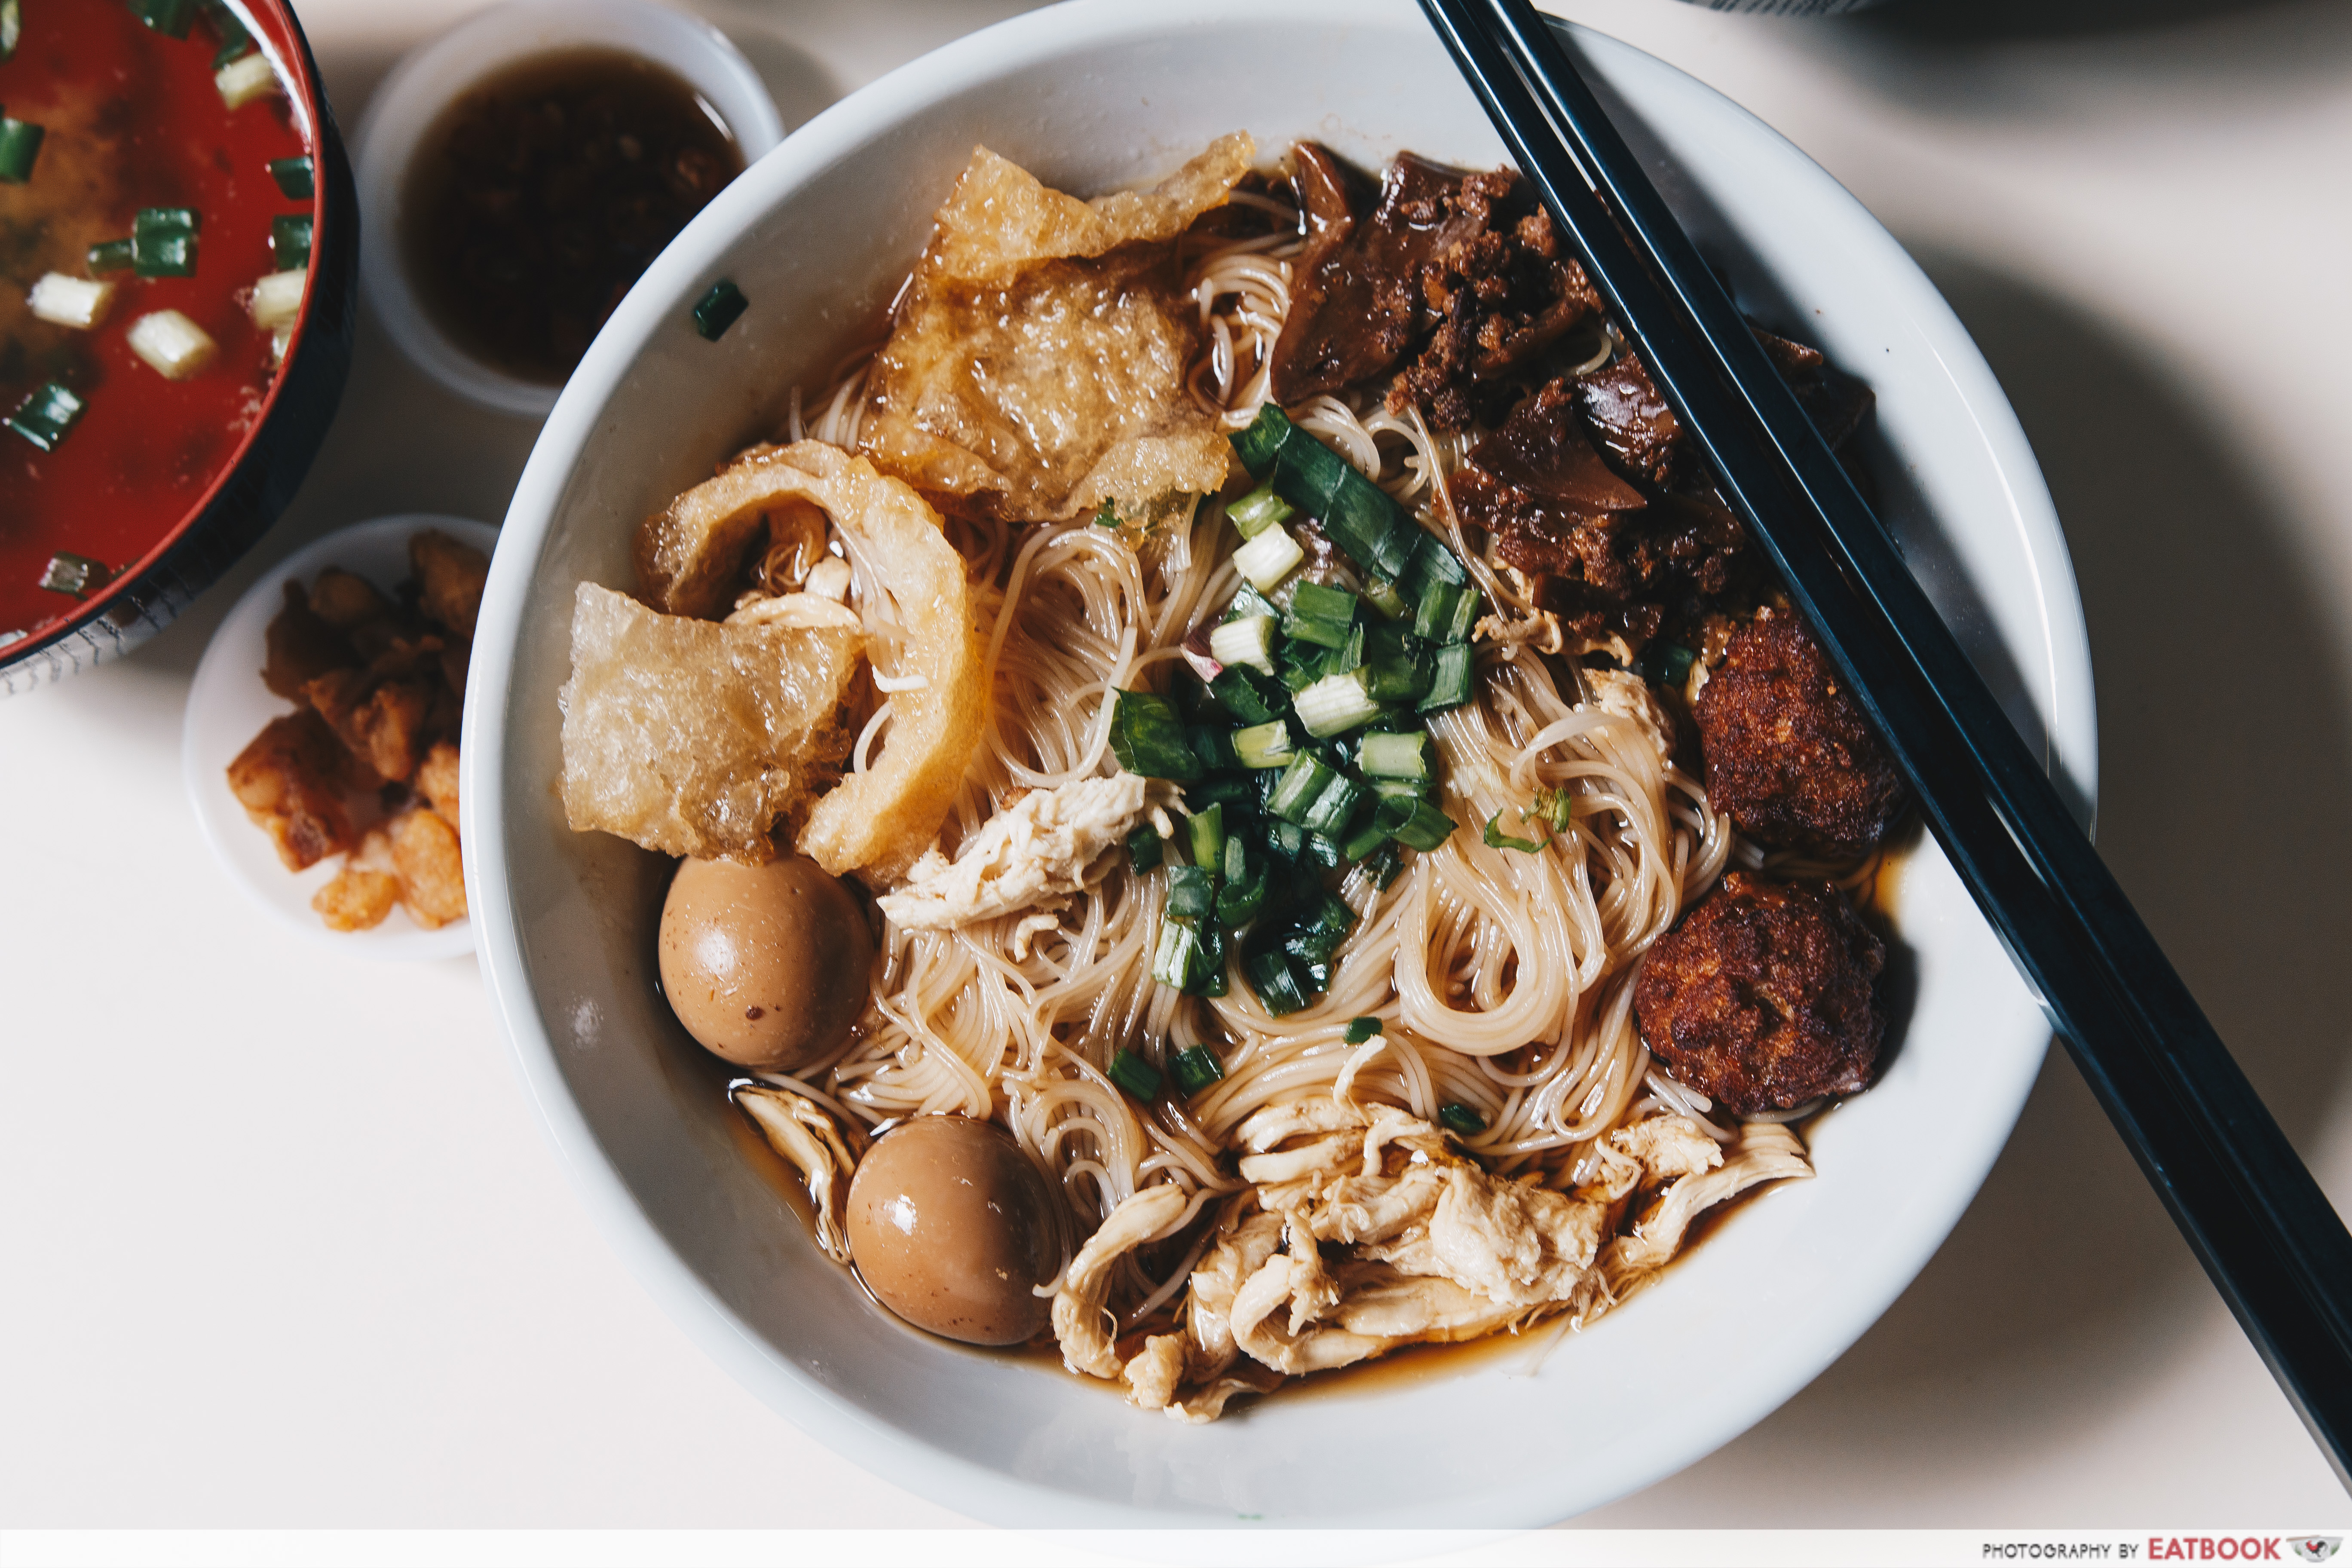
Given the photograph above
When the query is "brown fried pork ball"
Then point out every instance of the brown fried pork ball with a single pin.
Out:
(1764, 996)
(1790, 754)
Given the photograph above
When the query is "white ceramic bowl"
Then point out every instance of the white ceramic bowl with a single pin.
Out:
(227, 706)
(435, 74)
(1092, 96)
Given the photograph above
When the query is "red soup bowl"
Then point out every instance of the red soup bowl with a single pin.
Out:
(179, 242)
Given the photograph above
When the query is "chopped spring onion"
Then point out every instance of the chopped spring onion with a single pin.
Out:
(1448, 614)
(1334, 808)
(235, 43)
(1145, 847)
(1249, 641)
(169, 17)
(1241, 899)
(1259, 510)
(1207, 830)
(717, 310)
(1666, 664)
(1462, 1119)
(1148, 738)
(12, 27)
(290, 241)
(1320, 851)
(1236, 791)
(1432, 562)
(1247, 696)
(1401, 789)
(1349, 655)
(1212, 746)
(296, 176)
(77, 575)
(1449, 687)
(1192, 891)
(1382, 595)
(277, 298)
(1415, 824)
(163, 241)
(45, 416)
(174, 345)
(1276, 986)
(1336, 704)
(1557, 808)
(244, 80)
(1109, 516)
(1383, 865)
(1359, 1030)
(20, 143)
(1302, 784)
(1320, 615)
(1264, 745)
(1360, 517)
(1404, 756)
(1366, 838)
(70, 302)
(1269, 558)
(1498, 839)
(1138, 1077)
(112, 255)
(1196, 1069)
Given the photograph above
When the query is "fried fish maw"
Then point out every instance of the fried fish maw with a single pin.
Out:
(881, 820)
(693, 738)
(1036, 367)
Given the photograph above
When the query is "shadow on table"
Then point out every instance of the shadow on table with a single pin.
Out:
(1984, 21)
(2225, 756)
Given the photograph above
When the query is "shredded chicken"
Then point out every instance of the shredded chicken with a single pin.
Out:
(1081, 1322)
(1625, 695)
(1366, 1229)
(1051, 843)
(807, 1138)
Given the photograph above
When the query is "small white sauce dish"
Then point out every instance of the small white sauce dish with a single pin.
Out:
(435, 74)
(228, 706)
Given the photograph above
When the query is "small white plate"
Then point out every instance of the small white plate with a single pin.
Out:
(228, 705)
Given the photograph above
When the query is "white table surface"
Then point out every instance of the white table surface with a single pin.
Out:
(282, 1242)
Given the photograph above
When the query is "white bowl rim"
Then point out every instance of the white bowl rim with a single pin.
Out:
(434, 74)
(836, 1420)
(228, 678)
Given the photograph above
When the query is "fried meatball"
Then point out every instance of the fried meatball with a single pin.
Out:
(1790, 754)
(1764, 998)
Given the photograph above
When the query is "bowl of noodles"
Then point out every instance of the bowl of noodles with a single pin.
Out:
(1238, 723)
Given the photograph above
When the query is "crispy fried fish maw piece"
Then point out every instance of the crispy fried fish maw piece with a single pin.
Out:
(1037, 366)
(690, 737)
(880, 821)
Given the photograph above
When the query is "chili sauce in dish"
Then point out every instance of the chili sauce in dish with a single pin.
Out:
(169, 165)
(541, 194)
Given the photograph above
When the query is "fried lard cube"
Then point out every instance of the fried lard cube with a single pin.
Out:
(450, 575)
(358, 899)
(437, 780)
(291, 781)
(432, 868)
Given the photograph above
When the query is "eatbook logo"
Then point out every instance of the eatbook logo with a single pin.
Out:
(2317, 1548)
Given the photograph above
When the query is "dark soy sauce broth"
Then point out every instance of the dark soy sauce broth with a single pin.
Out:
(541, 194)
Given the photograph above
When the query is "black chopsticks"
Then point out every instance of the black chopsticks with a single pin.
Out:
(2261, 1226)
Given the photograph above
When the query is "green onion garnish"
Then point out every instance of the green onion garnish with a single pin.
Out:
(1462, 1119)
(163, 241)
(1336, 704)
(1207, 830)
(1404, 756)
(717, 310)
(1277, 987)
(1415, 824)
(169, 17)
(1370, 836)
(295, 176)
(1136, 1076)
(1247, 695)
(1212, 746)
(1383, 866)
(1666, 664)
(1242, 898)
(1145, 847)
(1382, 595)
(1196, 1069)
(45, 416)
(112, 255)
(1449, 685)
(1557, 807)
(1303, 781)
(1320, 615)
(20, 143)
(1266, 746)
(1335, 807)
(1148, 738)
(1498, 839)
(1248, 641)
(77, 575)
(1269, 558)
(289, 241)
(1192, 892)
(1258, 511)
(235, 43)
(1359, 1030)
